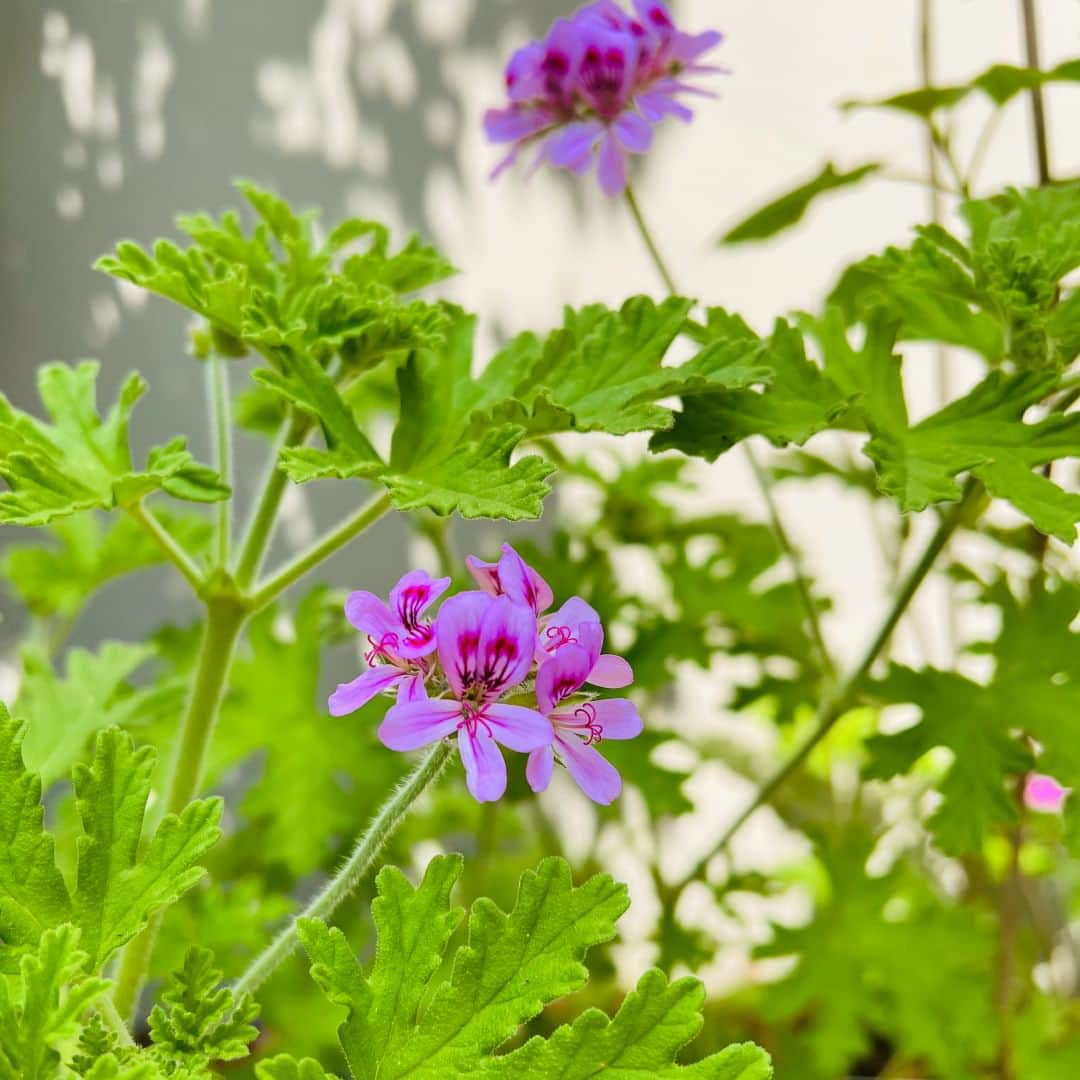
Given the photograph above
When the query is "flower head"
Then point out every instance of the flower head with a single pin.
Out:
(593, 88)
(399, 638)
(485, 647)
(579, 723)
(1044, 794)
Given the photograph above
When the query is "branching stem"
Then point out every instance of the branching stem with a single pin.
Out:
(170, 548)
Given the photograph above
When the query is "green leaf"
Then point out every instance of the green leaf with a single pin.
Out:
(81, 461)
(33, 896)
(787, 210)
(969, 720)
(284, 1067)
(654, 1022)
(511, 966)
(110, 1067)
(94, 693)
(89, 553)
(117, 890)
(42, 1009)
(984, 433)
(196, 1021)
(799, 401)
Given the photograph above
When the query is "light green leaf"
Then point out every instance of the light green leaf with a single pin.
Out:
(61, 713)
(109, 1067)
(81, 461)
(787, 210)
(117, 890)
(90, 552)
(33, 896)
(42, 1009)
(653, 1024)
(512, 965)
(197, 1021)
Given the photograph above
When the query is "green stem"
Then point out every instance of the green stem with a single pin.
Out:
(217, 376)
(262, 522)
(348, 878)
(224, 621)
(837, 703)
(172, 551)
(322, 549)
(1038, 105)
(646, 235)
(802, 583)
(108, 1012)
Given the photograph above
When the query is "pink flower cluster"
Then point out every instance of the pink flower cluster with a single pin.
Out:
(596, 85)
(497, 669)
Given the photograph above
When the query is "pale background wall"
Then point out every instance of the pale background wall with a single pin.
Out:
(114, 115)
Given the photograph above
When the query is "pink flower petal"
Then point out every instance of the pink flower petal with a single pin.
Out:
(522, 583)
(573, 144)
(518, 728)
(409, 599)
(633, 132)
(505, 649)
(561, 676)
(617, 718)
(350, 696)
(370, 615)
(596, 776)
(411, 688)
(485, 574)
(611, 167)
(1044, 794)
(457, 633)
(418, 723)
(485, 769)
(539, 768)
(611, 672)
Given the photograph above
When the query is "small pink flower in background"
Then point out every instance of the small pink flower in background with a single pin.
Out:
(1044, 794)
(596, 85)
(399, 639)
(468, 673)
(485, 648)
(579, 726)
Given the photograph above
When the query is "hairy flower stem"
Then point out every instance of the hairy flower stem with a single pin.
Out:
(348, 878)
(221, 416)
(224, 621)
(834, 705)
(802, 583)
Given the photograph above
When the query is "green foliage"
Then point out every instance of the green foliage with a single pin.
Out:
(788, 209)
(403, 1020)
(88, 553)
(41, 1009)
(195, 1021)
(83, 462)
(117, 887)
(284, 1067)
(61, 713)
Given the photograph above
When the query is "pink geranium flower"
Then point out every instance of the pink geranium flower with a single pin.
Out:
(513, 577)
(485, 648)
(1044, 794)
(578, 726)
(593, 88)
(399, 638)
(576, 623)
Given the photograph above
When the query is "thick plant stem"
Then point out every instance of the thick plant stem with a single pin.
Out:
(837, 703)
(348, 878)
(221, 416)
(262, 524)
(764, 483)
(172, 551)
(324, 548)
(225, 619)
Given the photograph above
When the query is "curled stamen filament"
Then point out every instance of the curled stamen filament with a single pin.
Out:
(381, 648)
(586, 713)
